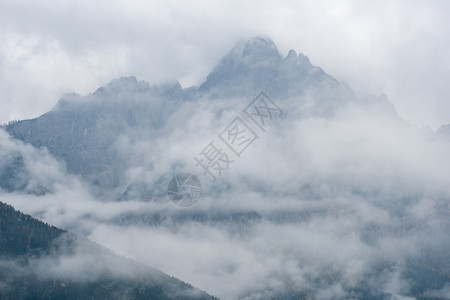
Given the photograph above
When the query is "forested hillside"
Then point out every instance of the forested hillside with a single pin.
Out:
(39, 261)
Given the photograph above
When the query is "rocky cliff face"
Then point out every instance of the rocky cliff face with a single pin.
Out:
(84, 131)
(339, 198)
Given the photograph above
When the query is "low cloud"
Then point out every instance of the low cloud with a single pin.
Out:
(50, 47)
(331, 203)
(356, 200)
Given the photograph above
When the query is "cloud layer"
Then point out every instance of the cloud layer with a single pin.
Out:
(324, 205)
(317, 205)
(53, 47)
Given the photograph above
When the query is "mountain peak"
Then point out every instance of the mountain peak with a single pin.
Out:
(260, 48)
(122, 84)
(291, 57)
(256, 65)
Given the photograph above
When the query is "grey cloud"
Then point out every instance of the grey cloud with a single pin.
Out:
(365, 191)
(394, 48)
(363, 187)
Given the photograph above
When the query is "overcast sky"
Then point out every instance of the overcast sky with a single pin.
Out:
(362, 167)
(51, 47)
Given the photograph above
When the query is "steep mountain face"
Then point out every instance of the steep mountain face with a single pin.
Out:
(256, 66)
(83, 131)
(39, 261)
(337, 198)
(12, 171)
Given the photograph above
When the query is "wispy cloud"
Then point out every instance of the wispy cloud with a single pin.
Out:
(353, 199)
(52, 47)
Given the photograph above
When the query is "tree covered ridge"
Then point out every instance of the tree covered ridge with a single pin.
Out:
(22, 234)
(32, 254)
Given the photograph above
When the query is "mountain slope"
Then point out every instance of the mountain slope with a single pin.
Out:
(39, 261)
(338, 198)
(85, 132)
(256, 65)
(82, 130)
